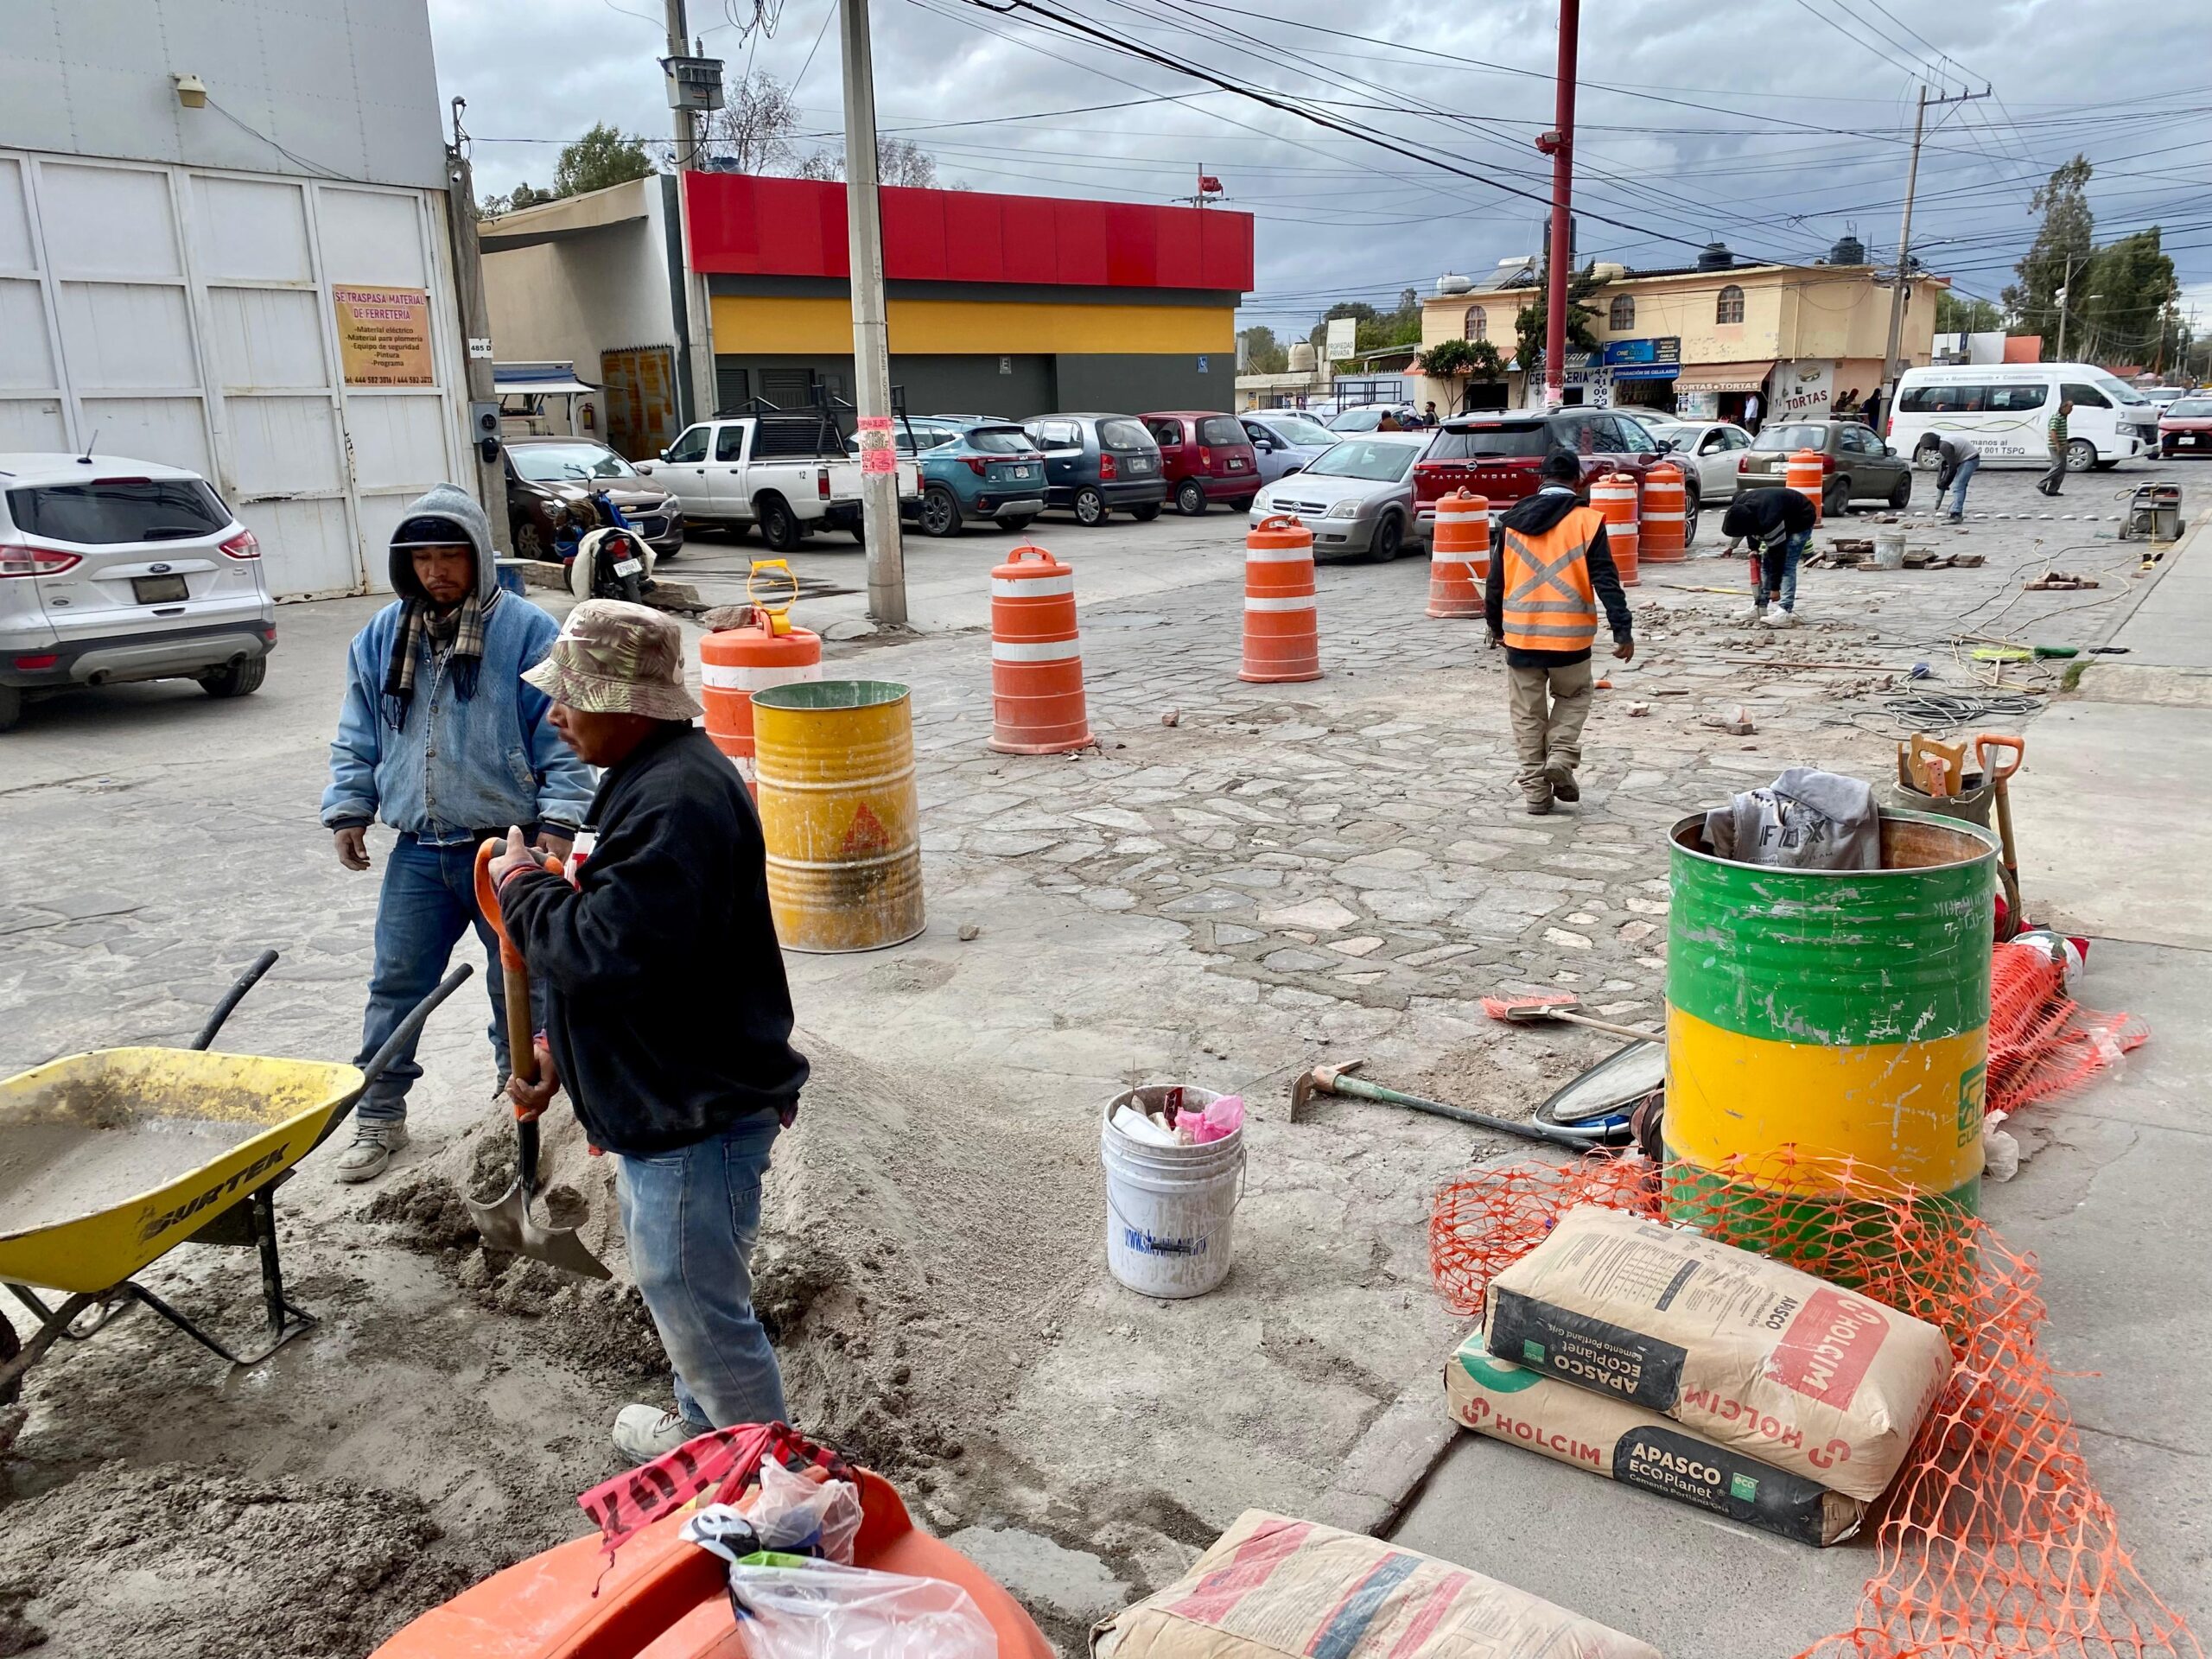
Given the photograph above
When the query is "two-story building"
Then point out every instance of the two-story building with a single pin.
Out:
(1698, 341)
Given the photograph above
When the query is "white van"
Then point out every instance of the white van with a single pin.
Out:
(2005, 408)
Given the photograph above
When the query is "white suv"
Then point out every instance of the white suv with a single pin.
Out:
(113, 570)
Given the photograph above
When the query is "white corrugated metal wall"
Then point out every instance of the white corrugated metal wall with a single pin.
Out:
(183, 314)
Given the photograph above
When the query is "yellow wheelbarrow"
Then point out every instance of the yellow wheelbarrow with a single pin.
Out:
(111, 1160)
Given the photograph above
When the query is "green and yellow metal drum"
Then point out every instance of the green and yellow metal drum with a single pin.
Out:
(835, 761)
(1814, 1015)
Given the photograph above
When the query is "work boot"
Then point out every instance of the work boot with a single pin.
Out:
(374, 1141)
(644, 1433)
(1536, 805)
(1561, 778)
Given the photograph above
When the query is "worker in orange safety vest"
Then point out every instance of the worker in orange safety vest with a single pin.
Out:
(1549, 570)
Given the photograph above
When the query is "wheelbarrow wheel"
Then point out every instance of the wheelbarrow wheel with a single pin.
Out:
(10, 1345)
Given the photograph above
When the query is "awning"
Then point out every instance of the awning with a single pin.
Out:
(1723, 377)
(512, 379)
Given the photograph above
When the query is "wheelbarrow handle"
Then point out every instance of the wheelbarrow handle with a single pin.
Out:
(408, 1029)
(245, 982)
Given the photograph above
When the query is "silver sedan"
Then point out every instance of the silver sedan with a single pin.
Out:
(1357, 496)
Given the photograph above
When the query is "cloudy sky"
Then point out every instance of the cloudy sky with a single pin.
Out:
(1777, 125)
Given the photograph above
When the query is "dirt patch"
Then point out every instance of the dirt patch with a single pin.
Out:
(184, 1559)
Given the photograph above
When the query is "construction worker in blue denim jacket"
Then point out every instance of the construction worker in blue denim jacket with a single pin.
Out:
(441, 739)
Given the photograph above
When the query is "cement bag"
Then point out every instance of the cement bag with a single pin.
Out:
(1747, 1353)
(1273, 1587)
(1636, 1447)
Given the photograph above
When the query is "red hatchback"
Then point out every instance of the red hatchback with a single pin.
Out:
(1501, 455)
(1204, 457)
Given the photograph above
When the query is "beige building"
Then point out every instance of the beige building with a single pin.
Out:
(1700, 341)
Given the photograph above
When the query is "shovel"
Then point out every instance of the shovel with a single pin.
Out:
(507, 1224)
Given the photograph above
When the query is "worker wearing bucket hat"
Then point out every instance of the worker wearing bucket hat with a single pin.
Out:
(668, 1018)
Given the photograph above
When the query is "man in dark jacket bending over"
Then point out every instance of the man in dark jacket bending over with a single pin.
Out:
(1550, 571)
(667, 1013)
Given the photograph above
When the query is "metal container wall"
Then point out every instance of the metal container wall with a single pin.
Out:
(1842, 1013)
(835, 786)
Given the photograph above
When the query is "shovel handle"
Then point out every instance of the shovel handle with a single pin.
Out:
(522, 1030)
(526, 1158)
(2015, 747)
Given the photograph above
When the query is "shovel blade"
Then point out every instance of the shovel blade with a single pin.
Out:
(507, 1225)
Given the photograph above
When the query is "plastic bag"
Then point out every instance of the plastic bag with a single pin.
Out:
(817, 1610)
(1221, 1119)
(813, 1517)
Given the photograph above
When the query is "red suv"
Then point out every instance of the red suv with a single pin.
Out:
(1204, 457)
(1501, 455)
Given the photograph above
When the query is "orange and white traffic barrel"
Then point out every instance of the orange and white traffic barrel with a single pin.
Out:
(1458, 554)
(1614, 495)
(1037, 702)
(1662, 532)
(762, 651)
(1283, 635)
(1803, 473)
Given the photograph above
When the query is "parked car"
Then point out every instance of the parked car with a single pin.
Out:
(1356, 498)
(1205, 456)
(1284, 441)
(1856, 465)
(1096, 463)
(2163, 397)
(1499, 455)
(113, 570)
(2186, 425)
(973, 466)
(550, 486)
(1368, 417)
(1708, 450)
(788, 473)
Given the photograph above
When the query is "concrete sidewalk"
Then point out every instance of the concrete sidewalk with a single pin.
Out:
(2112, 818)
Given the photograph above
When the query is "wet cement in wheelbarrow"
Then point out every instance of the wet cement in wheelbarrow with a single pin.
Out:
(60, 1168)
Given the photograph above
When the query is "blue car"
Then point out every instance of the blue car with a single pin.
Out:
(973, 466)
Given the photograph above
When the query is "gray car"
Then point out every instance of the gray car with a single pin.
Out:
(1357, 497)
(1856, 464)
(1285, 440)
(1097, 464)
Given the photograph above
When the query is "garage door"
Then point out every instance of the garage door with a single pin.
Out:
(188, 317)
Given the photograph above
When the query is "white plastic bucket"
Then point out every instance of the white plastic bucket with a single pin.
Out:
(1889, 549)
(1168, 1209)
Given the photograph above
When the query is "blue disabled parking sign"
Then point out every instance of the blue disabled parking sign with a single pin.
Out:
(1202, 366)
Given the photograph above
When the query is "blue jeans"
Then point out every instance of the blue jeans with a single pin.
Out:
(1778, 569)
(428, 902)
(1959, 480)
(691, 1217)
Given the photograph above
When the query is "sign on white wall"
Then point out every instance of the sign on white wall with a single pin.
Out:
(1343, 338)
(1805, 389)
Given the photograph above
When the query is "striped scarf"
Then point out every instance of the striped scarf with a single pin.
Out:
(459, 632)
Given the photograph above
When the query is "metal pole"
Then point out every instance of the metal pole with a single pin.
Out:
(1562, 146)
(886, 558)
(699, 331)
(1905, 261)
(476, 332)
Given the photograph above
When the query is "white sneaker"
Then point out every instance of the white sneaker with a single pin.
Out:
(644, 1433)
(1756, 614)
(371, 1153)
(1781, 619)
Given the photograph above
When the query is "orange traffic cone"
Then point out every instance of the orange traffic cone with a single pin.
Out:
(1282, 639)
(1662, 530)
(735, 663)
(1614, 495)
(1805, 474)
(1037, 702)
(1458, 557)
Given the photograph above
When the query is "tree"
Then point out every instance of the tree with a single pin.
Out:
(2064, 243)
(754, 127)
(1531, 321)
(514, 202)
(1954, 315)
(2124, 301)
(897, 161)
(1263, 352)
(602, 157)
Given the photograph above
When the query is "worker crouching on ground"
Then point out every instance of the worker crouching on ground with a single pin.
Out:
(1549, 570)
(1778, 523)
(440, 738)
(667, 1014)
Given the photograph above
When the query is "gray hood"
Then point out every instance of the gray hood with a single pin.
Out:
(444, 513)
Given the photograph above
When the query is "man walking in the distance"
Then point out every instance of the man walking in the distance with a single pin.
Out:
(1550, 569)
(2055, 435)
(440, 738)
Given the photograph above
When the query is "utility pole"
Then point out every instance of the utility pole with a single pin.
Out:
(476, 334)
(1559, 144)
(699, 333)
(1891, 367)
(2065, 291)
(887, 557)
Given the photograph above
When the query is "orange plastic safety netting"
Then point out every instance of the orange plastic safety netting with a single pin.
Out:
(1994, 1540)
(2041, 1042)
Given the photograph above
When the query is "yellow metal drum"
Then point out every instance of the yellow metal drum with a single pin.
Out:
(836, 765)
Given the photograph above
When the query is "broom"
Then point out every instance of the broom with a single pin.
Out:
(1543, 1009)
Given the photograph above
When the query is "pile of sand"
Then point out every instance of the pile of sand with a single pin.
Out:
(176, 1559)
(912, 1239)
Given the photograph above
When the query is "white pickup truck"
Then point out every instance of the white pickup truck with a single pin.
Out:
(790, 474)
